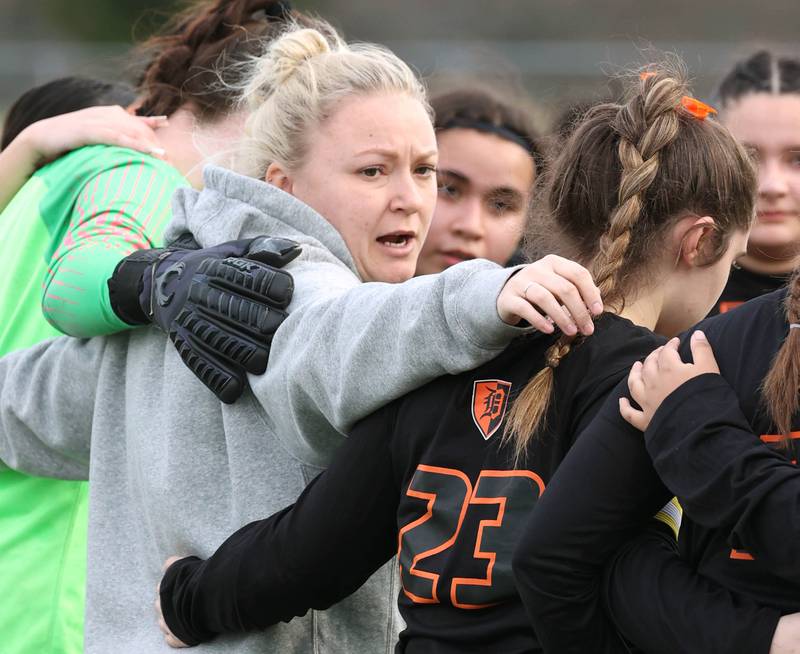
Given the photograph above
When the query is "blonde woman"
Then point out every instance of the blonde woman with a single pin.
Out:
(336, 131)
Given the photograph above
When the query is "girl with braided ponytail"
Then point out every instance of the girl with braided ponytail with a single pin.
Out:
(588, 553)
(637, 154)
(722, 431)
(656, 200)
(63, 233)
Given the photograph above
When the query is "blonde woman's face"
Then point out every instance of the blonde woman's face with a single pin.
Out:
(371, 172)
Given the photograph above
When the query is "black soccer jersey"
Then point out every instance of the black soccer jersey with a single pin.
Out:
(425, 478)
(739, 535)
(713, 443)
(744, 285)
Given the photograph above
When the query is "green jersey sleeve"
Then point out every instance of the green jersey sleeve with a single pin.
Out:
(123, 207)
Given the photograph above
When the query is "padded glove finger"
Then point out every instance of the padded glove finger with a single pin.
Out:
(274, 251)
(251, 279)
(226, 381)
(236, 313)
(232, 343)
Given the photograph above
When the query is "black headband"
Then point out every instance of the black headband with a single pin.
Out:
(503, 131)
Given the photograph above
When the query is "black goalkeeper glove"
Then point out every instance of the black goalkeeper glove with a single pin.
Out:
(220, 305)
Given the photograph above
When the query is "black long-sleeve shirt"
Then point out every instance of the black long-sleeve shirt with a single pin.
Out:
(607, 487)
(744, 285)
(659, 601)
(738, 478)
(426, 478)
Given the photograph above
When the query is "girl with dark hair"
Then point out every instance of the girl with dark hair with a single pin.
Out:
(488, 159)
(63, 234)
(761, 106)
(657, 201)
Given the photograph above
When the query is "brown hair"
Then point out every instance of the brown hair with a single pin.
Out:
(623, 178)
(486, 109)
(761, 72)
(781, 388)
(198, 46)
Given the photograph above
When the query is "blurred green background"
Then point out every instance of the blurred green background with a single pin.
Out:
(560, 50)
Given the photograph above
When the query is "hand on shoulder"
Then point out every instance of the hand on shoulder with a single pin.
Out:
(552, 290)
(661, 374)
(50, 138)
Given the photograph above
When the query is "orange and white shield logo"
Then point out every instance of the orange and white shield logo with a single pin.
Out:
(489, 402)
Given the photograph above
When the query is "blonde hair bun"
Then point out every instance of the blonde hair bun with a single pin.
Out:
(293, 49)
(295, 85)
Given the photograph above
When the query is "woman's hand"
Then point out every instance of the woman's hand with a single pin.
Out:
(50, 138)
(551, 290)
(786, 639)
(169, 637)
(661, 373)
(47, 139)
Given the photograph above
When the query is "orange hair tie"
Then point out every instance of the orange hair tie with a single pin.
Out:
(647, 74)
(698, 109)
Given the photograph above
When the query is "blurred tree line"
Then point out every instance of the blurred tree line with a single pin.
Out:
(119, 21)
(682, 20)
(108, 20)
(556, 49)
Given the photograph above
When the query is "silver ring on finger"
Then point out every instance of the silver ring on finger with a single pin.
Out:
(525, 291)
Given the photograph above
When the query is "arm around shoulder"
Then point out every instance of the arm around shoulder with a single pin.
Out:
(345, 351)
(122, 208)
(347, 348)
(277, 568)
(704, 449)
(47, 402)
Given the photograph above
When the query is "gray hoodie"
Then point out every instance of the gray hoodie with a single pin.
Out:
(174, 471)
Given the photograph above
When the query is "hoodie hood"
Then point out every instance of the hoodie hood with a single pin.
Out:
(233, 206)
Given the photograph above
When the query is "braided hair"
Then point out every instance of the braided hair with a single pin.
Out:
(621, 181)
(781, 388)
(762, 72)
(185, 62)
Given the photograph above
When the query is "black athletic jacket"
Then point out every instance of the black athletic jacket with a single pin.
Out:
(744, 285)
(424, 477)
(741, 523)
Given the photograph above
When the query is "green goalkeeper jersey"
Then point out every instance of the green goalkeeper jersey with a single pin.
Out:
(61, 236)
